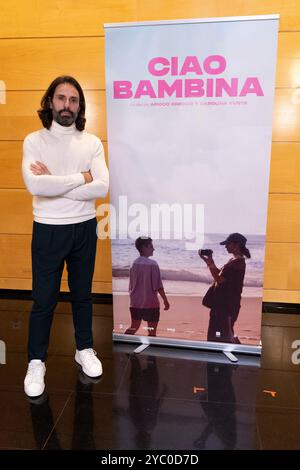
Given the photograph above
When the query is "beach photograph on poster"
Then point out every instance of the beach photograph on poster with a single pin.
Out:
(189, 113)
(186, 279)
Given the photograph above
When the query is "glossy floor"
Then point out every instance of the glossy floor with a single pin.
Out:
(163, 398)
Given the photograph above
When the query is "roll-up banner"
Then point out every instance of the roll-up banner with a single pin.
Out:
(189, 113)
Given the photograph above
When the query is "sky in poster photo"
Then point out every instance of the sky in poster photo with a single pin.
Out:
(211, 154)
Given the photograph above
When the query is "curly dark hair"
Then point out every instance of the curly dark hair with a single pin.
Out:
(45, 113)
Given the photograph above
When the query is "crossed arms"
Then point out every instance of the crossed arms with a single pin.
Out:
(83, 186)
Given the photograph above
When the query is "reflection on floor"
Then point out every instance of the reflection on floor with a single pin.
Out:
(163, 398)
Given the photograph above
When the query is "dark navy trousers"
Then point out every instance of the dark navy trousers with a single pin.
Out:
(52, 246)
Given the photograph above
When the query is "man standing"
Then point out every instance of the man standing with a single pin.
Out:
(65, 171)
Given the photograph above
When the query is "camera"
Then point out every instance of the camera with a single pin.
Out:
(206, 252)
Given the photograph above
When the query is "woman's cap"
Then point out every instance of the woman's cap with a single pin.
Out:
(235, 238)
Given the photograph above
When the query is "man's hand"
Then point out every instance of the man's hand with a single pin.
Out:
(167, 305)
(38, 168)
(87, 176)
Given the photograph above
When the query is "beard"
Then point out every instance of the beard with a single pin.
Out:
(64, 120)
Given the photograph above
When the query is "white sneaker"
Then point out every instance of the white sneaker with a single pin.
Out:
(34, 384)
(90, 364)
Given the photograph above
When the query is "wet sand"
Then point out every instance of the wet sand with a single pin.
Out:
(188, 318)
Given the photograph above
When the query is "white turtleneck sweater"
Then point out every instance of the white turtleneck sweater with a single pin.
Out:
(63, 197)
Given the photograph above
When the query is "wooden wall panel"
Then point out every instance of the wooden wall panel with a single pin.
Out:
(16, 207)
(19, 116)
(288, 62)
(16, 258)
(170, 9)
(103, 262)
(285, 168)
(282, 266)
(41, 60)
(10, 164)
(284, 218)
(31, 18)
(16, 211)
(281, 295)
(286, 118)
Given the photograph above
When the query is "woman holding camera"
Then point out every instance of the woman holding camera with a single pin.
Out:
(224, 296)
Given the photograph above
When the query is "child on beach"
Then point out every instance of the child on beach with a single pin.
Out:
(144, 283)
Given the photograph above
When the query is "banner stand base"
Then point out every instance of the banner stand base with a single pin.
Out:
(141, 348)
(231, 356)
(188, 344)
